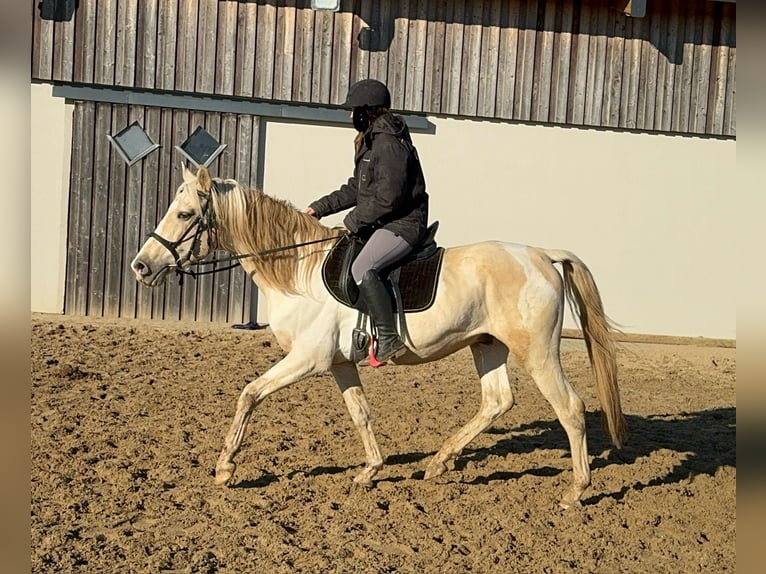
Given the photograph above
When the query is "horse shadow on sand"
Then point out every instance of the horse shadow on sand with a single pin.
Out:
(706, 441)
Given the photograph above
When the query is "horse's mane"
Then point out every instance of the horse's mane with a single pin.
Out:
(249, 221)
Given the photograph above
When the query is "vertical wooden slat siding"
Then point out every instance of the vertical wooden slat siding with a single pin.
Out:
(730, 109)
(506, 82)
(284, 57)
(264, 50)
(562, 55)
(42, 49)
(166, 184)
(103, 73)
(703, 69)
(650, 58)
(384, 32)
(131, 238)
(610, 113)
(244, 76)
(660, 36)
(579, 69)
(186, 47)
(682, 98)
(167, 40)
(670, 55)
(511, 59)
(340, 62)
(206, 283)
(717, 94)
(453, 44)
(226, 48)
(63, 50)
(323, 56)
(541, 90)
(416, 55)
(116, 207)
(470, 65)
(207, 24)
(522, 105)
(397, 56)
(596, 86)
(79, 227)
(489, 64)
(149, 216)
(304, 52)
(86, 42)
(99, 210)
(643, 72)
(436, 30)
(360, 59)
(125, 44)
(146, 44)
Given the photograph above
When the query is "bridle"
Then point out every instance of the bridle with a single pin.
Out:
(205, 221)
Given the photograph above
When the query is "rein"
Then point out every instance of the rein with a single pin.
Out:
(206, 222)
(194, 274)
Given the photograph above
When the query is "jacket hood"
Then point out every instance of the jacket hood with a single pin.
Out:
(388, 123)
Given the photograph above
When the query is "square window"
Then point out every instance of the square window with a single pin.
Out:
(133, 143)
(201, 148)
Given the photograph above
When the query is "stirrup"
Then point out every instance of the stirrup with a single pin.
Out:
(372, 361)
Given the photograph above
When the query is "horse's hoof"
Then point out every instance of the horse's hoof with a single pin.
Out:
(223, 476)
(364, 481)
(435, 469)
(566, 503)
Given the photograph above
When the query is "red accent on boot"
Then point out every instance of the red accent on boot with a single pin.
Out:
(373, 360)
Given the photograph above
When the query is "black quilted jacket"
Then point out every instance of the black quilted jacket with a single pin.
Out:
(387, 189)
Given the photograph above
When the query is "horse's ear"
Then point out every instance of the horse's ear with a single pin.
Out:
(204, 181)
(189, 177)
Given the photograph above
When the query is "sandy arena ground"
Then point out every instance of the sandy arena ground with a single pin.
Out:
(128, 418)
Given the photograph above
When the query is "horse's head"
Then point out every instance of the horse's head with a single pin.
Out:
(183, 236)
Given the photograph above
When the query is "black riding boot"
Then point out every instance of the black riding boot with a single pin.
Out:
(379, 306)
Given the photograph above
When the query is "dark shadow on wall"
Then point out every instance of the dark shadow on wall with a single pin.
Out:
(667, 26)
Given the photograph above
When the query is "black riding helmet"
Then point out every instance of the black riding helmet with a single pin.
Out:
(368, 93)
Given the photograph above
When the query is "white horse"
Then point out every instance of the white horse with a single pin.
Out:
(494, 297)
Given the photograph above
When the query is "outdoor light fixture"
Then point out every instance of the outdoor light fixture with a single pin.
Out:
(332, 5)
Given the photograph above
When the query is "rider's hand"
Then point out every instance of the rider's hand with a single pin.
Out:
(310, 211)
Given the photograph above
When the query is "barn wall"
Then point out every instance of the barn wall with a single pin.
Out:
(658, 230)
(114, 206)
(563, 62)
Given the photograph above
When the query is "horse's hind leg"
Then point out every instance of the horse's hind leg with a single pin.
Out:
(544, 365)
(347, 378)
(496, 398)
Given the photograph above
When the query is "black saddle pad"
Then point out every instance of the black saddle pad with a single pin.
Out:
(417, 275)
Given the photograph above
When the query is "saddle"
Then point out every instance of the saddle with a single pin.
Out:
(412, 280)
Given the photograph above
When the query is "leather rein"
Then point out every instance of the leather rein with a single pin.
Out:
(206, 222)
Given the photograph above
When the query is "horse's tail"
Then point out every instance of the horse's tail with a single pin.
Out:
(598, 332)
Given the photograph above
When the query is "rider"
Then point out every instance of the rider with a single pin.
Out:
(390, 205)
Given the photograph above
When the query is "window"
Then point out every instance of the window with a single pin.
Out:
(133, 143)
(201, 148)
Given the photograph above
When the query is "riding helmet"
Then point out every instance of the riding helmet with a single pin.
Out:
(370, 93)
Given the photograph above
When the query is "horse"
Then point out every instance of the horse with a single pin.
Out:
(497, 298)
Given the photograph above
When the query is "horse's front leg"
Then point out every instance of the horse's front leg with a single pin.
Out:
(347, 378)
(294, 367)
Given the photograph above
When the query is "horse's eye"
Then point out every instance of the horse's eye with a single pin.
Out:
(184, 215)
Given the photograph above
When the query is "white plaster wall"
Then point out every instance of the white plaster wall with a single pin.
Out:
(51, 136)
(651, 215)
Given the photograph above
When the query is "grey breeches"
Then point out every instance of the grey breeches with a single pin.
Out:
(381, 250)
